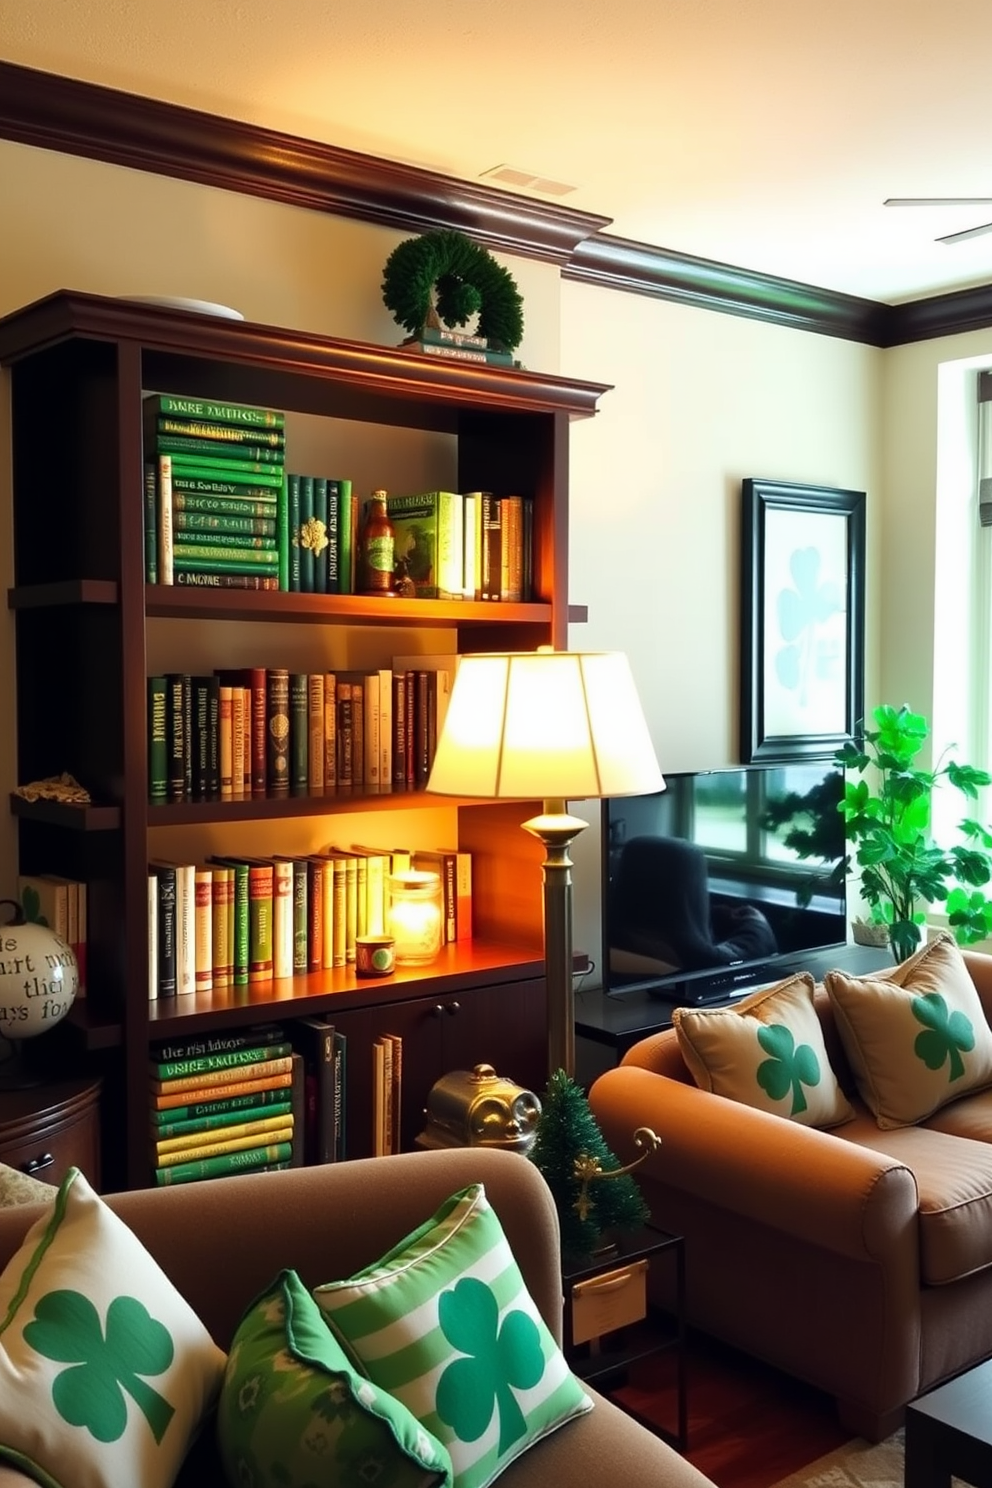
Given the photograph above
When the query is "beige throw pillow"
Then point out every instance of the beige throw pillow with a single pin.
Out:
(915, 1035)
(766, 1051)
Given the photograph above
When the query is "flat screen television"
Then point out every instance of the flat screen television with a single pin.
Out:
(727, 878)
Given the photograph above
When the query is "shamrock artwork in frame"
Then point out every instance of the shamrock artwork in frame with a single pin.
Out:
(802, 619)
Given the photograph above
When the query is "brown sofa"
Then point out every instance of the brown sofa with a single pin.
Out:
(222, 1242)
(857, 1259)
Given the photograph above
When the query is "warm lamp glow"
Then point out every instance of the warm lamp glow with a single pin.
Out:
(559, 725)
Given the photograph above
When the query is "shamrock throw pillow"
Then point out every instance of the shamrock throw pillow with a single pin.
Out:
(294, 1411)
(445, 1323)
(766, 1051)
(916, 1035)
(105, 1370)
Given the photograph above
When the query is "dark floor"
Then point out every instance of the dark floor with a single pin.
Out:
(749, 1425)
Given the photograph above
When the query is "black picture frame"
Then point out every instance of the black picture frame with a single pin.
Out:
(802, 619)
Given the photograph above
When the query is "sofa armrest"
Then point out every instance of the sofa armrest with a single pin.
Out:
(806, 1183)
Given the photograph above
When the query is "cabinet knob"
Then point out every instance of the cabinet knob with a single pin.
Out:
(438, 1010)
(452, 1008)
(35, 1164)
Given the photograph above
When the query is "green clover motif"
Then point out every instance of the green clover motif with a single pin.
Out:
(946, 1035)
(789, 1068)
(31, 905)
(499, 1356)
(66, 1328)
(802, 609)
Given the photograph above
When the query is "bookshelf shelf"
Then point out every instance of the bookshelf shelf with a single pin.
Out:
(87, 627)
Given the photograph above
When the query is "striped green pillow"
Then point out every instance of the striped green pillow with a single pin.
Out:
(444, 1322)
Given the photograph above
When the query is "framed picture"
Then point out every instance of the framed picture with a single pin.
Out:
(802, 619)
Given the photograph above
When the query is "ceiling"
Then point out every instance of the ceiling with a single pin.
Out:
(765, 134)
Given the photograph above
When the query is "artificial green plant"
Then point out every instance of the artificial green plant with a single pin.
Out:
(889, 823)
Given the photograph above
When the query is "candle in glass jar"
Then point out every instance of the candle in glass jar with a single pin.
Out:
(415, 915)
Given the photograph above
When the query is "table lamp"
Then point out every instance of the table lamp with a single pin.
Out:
(560, 725)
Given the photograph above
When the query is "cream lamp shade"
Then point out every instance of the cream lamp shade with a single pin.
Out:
(559, 724)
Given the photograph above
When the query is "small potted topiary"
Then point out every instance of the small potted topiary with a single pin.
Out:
(889, 824)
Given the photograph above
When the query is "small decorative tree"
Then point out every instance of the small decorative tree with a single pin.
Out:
(902, 867)
(567, 1137)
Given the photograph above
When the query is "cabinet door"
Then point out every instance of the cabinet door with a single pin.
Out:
(505, 1026)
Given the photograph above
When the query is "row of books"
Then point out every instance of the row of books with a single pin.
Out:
(232, 921)
(215, 492)
(223, 510)
(267, 732)
(231, 1111)
(61, 904)
(263, 1098)
(459, 346)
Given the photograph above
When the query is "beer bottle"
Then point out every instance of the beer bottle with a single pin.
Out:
(378, 548)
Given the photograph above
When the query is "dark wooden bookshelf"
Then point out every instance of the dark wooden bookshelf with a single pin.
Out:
(80, 363)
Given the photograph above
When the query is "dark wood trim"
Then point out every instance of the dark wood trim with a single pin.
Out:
(619, 263)
(77, 118)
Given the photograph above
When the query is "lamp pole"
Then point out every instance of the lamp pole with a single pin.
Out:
(556, 830)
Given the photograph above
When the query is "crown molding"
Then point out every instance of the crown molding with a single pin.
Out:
(79, 118)
(52, 112)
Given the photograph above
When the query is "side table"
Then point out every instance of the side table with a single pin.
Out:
(608, 1324)
(46, 1129)
(949, 1432)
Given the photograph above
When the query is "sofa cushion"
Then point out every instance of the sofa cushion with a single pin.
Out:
(954, 1182)
(915, 1034)
(766, 1051)
(105, 1370)
(294, 1410)
(445, 1323)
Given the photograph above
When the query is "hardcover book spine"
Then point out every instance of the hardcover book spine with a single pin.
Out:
(315, 734)
(175, 1069)
(332, 552)
(168, 949)
(260, 949)
(245, 499)
(191, 1145)
(306, 535)
(194, 445)
(284, 535)
(204, 1095)
(151, 522)
(215, 522)
(258, 682)
(315, 915)
(223, 905)
(299, 732)
(320, 527)
(203, 882)
(255, 1036)
(196, 578)
(272, 1156)
(163, 1128)
(158, 769)
(225, 413)
(345, 734)
(346, 539)
(330, 732)
(293, 522)
(220, 1079)
(282, 918)
(277, 733)
(226, 740)
(300, 917)
(165, 568)
(210, 434)
(223, 467)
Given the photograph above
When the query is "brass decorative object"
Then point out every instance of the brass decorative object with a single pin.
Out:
(477, 1108)
(588, 1169)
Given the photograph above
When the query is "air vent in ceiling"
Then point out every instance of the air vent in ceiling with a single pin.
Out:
(510, 175)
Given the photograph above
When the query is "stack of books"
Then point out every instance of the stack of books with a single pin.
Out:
(323, 523)
(461, 346)
(216, 510)
(61, 904)
(225, 1104)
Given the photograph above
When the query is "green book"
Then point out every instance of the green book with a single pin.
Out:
(224, 505)
(200, 485)
(320, 518)
(231, 564)
(217, 412)
(213, 522)
(158, 761)
(306, 535)
(266, 559)
(429, 542)
(169, 1069)
(300, 919)
(333, 523)
(249, 1160)
(190, 1126)
(247, 472)
(293, 524)
(212, 433)
(237, 542)
(283, 534)
(346, 539)
(151, 522)
(177, 444)
(233, 1105)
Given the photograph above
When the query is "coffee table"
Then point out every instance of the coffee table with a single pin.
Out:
(949, 1432)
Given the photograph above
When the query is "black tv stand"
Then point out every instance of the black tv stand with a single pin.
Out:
(615, 1021)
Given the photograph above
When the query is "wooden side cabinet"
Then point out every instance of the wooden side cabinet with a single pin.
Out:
(46, 1129)
(608, 1325)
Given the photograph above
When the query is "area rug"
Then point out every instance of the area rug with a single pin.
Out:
(857, 1464)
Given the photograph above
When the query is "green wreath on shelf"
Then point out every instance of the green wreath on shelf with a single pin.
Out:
(463, 279)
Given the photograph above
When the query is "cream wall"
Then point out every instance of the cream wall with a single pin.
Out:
(700, 401)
